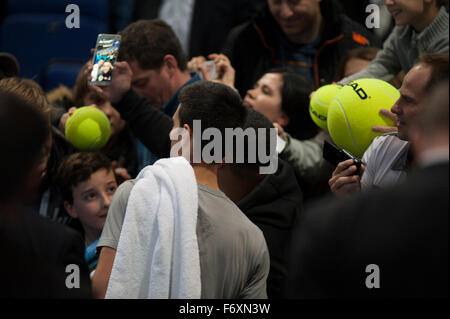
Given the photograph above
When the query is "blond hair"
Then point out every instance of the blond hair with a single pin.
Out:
(30, 91)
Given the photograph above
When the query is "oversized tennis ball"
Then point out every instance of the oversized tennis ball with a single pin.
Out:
(356, 109)
(88, 129)
(318, 106)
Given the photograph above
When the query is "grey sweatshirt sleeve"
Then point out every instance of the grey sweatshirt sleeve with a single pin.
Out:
(386, 64)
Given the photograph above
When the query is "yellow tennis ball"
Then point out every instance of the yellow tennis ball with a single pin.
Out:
(356, 109)
(88, 129)
(318, 106)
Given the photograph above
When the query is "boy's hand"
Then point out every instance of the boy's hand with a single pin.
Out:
(387, 129)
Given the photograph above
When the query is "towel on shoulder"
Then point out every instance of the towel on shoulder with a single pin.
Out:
(157, 255)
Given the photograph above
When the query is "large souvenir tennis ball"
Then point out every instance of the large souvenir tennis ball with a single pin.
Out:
(88, 129)
(356, 109)
(318, 106)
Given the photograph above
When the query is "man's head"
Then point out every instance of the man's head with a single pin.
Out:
(237, 179)
(215, 105)
(23, 132)
(297, 18)
(87, 184)
(155, 56)
(429, 131)
(418, 82)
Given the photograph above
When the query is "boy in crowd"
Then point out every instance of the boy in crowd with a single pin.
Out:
(421, 27)
(88, 183)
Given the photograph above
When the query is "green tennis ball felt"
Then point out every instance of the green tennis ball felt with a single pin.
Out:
(88, 129)
(318, 106)
(356, 109)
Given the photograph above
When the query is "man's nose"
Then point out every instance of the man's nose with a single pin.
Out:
(285, 10)
(396, 109)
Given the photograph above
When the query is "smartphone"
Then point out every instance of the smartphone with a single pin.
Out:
(211, 69)
(335, 155)
(105, 55)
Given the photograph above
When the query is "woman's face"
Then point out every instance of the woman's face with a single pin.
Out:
(266, 98)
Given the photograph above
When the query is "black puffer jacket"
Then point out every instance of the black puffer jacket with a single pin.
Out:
(251, 46)
(274, 206)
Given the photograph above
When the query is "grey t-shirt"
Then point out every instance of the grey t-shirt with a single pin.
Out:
(234, 259)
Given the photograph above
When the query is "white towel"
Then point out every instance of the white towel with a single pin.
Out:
(157, 255)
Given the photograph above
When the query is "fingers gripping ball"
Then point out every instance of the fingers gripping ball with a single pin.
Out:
(356, 109)
(318, 106)
(88, 128)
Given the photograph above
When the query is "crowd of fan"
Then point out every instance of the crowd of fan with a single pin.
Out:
(309, 230)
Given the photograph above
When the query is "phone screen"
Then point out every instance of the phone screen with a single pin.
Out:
(105, 56)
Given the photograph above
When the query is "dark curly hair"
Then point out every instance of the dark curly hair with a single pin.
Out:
(78, 168)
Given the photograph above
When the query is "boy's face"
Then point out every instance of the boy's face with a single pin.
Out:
(91, 199)
(406, 12)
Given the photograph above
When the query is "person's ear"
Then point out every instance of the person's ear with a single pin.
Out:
(283, 120)
(188, 128)
(70, 209)
(170, 64)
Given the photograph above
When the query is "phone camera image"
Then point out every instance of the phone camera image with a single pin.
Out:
(105, 56)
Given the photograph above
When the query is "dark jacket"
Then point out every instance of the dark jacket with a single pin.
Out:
(35, 254)
(403, 230)
(149, 124)
(251, 46)
(274, 206)
(212, 20)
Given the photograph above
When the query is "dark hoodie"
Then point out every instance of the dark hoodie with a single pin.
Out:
(252, 45)
(274, 205)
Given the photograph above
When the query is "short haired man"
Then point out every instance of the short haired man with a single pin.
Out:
(388, 158)
(156, 58)
(234, 259)
(390, 243)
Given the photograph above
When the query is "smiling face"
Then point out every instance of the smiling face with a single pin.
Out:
(295, 17)
(406, 12)
(412, 94)
(91, 200)
(266, 98)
